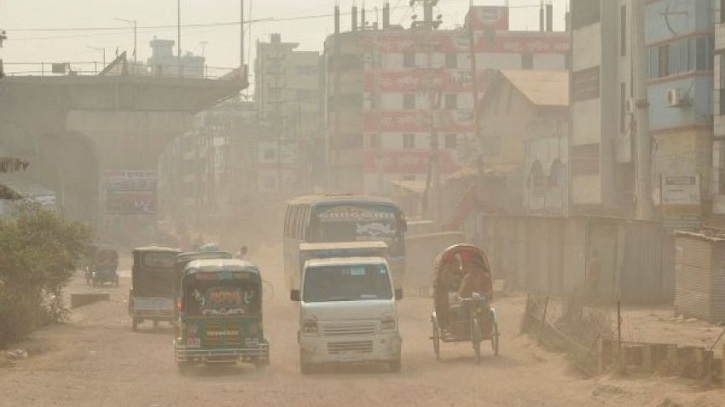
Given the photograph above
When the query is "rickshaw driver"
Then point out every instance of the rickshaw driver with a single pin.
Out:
(476, 279)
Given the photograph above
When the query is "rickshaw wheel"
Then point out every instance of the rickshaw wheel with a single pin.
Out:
(494, 337)
(476, 338)
(436, 336)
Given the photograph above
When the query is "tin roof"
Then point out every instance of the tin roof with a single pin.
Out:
(542, 88)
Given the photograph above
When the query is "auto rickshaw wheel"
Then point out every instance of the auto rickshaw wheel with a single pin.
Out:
(436, 336)
(476, 337)
(494, 337)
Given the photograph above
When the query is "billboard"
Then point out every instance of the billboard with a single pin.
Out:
(129, 191)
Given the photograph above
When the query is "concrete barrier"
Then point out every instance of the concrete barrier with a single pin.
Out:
(80, 299)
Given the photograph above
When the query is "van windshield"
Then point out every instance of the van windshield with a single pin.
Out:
(347, 283)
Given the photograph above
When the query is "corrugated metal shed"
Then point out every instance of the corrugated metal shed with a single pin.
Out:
(700, 276)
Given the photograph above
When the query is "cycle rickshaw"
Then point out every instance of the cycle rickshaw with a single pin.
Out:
(470, 319)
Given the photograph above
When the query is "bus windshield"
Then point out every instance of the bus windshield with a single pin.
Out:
(347, 283)
(354, 223)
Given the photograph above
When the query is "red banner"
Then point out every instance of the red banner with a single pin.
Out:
(411, 121)
(413, 80)
(409, 161)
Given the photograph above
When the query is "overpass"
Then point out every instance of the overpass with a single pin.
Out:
(76, 129)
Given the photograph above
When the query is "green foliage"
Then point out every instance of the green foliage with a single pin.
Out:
(39, 252)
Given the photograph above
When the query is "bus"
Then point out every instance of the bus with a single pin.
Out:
(343, 218)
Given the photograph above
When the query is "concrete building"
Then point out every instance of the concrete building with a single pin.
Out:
(718, 148)
(524, 119)
(165, 62)
(602, 145)
(679, 41)
(396, 97)
(288, 97)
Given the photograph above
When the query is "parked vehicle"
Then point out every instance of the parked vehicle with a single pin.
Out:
(220, 314)
(468, 319)
(102, 265)
(347, 313)
(154, 285)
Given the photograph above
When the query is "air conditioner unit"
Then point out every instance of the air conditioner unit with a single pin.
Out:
(675, 98)
(630, 106)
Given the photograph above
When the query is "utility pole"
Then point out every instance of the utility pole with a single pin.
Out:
(241, 36)
(133, 23)
(434, 98)
(178, 36)
(376, 100)
(643, 143)
(476, 87)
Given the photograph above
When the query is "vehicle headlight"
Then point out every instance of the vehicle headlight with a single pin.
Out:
(309, 327)
(387, 323)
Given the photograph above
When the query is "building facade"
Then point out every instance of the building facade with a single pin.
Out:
(524, 119)
(288, 97)
(400, 101)
(680, 44)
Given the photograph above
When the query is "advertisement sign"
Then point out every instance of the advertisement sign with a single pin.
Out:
(680, 190)
(129, 191)
(409, 162)
(412, 121)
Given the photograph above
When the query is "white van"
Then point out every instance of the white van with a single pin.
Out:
(347, 313)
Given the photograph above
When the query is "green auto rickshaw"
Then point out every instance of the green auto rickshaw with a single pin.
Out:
(220, 314)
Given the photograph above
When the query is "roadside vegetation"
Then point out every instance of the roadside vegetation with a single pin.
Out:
(39, 252)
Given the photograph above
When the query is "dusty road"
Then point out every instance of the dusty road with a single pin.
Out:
(96, 360)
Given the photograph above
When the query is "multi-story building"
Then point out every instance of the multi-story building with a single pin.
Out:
(609, 163)
(718, 148)
(398, 97)
(602, 164)
(287, 93)
(163, 61)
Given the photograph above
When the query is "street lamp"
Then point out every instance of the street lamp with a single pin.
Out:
(133, 22)
(104, 54)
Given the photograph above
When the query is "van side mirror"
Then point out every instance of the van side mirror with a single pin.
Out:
(398, 294)
(294, 295)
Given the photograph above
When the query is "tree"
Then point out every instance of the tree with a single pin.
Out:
(9, 164)
(39, 253)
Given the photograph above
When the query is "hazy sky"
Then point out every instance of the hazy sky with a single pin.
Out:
(30, 39)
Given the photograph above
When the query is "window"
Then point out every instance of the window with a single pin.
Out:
(451, 141)
(527, 61)
(408, 141)
(409, 101)
(451, 101)
(408, 60)
(623, 31)
(663, 60)
(622, 107)
(452, 61)
(307, 70)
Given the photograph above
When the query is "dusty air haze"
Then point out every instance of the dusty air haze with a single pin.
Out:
(576, 181)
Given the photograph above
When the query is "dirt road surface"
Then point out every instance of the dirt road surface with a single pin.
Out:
(96, 360)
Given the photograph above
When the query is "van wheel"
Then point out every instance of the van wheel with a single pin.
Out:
(183, 367)
(395, 366)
